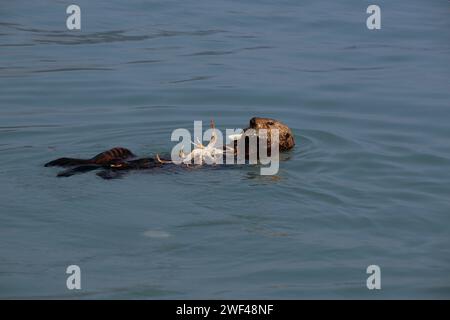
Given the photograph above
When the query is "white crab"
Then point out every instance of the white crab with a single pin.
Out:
(210, 154)
(200, 154)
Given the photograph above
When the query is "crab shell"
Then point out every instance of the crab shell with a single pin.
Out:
(201, 153)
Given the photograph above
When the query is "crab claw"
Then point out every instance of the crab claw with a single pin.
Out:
(181, 154)
(198, 144)
(212, 141)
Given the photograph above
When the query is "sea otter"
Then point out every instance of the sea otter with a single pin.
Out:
(118, 160)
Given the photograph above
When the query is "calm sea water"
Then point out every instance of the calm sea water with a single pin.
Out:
(367, 183)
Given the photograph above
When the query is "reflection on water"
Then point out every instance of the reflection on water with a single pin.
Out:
(367, 182)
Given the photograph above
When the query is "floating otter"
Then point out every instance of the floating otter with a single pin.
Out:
(118, 160)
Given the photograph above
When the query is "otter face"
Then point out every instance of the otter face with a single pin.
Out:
(286, 136)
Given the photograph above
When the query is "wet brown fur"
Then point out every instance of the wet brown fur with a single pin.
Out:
(120, 159)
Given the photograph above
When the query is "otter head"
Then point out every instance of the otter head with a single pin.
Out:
(286, 136)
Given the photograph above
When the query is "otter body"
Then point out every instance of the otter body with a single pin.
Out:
(115, 161)
(100, 159)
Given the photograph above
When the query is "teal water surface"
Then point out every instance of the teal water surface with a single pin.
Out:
(367, 183)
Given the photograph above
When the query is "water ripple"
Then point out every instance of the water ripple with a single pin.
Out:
(73, 69)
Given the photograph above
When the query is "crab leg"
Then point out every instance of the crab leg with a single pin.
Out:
(161, 161)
